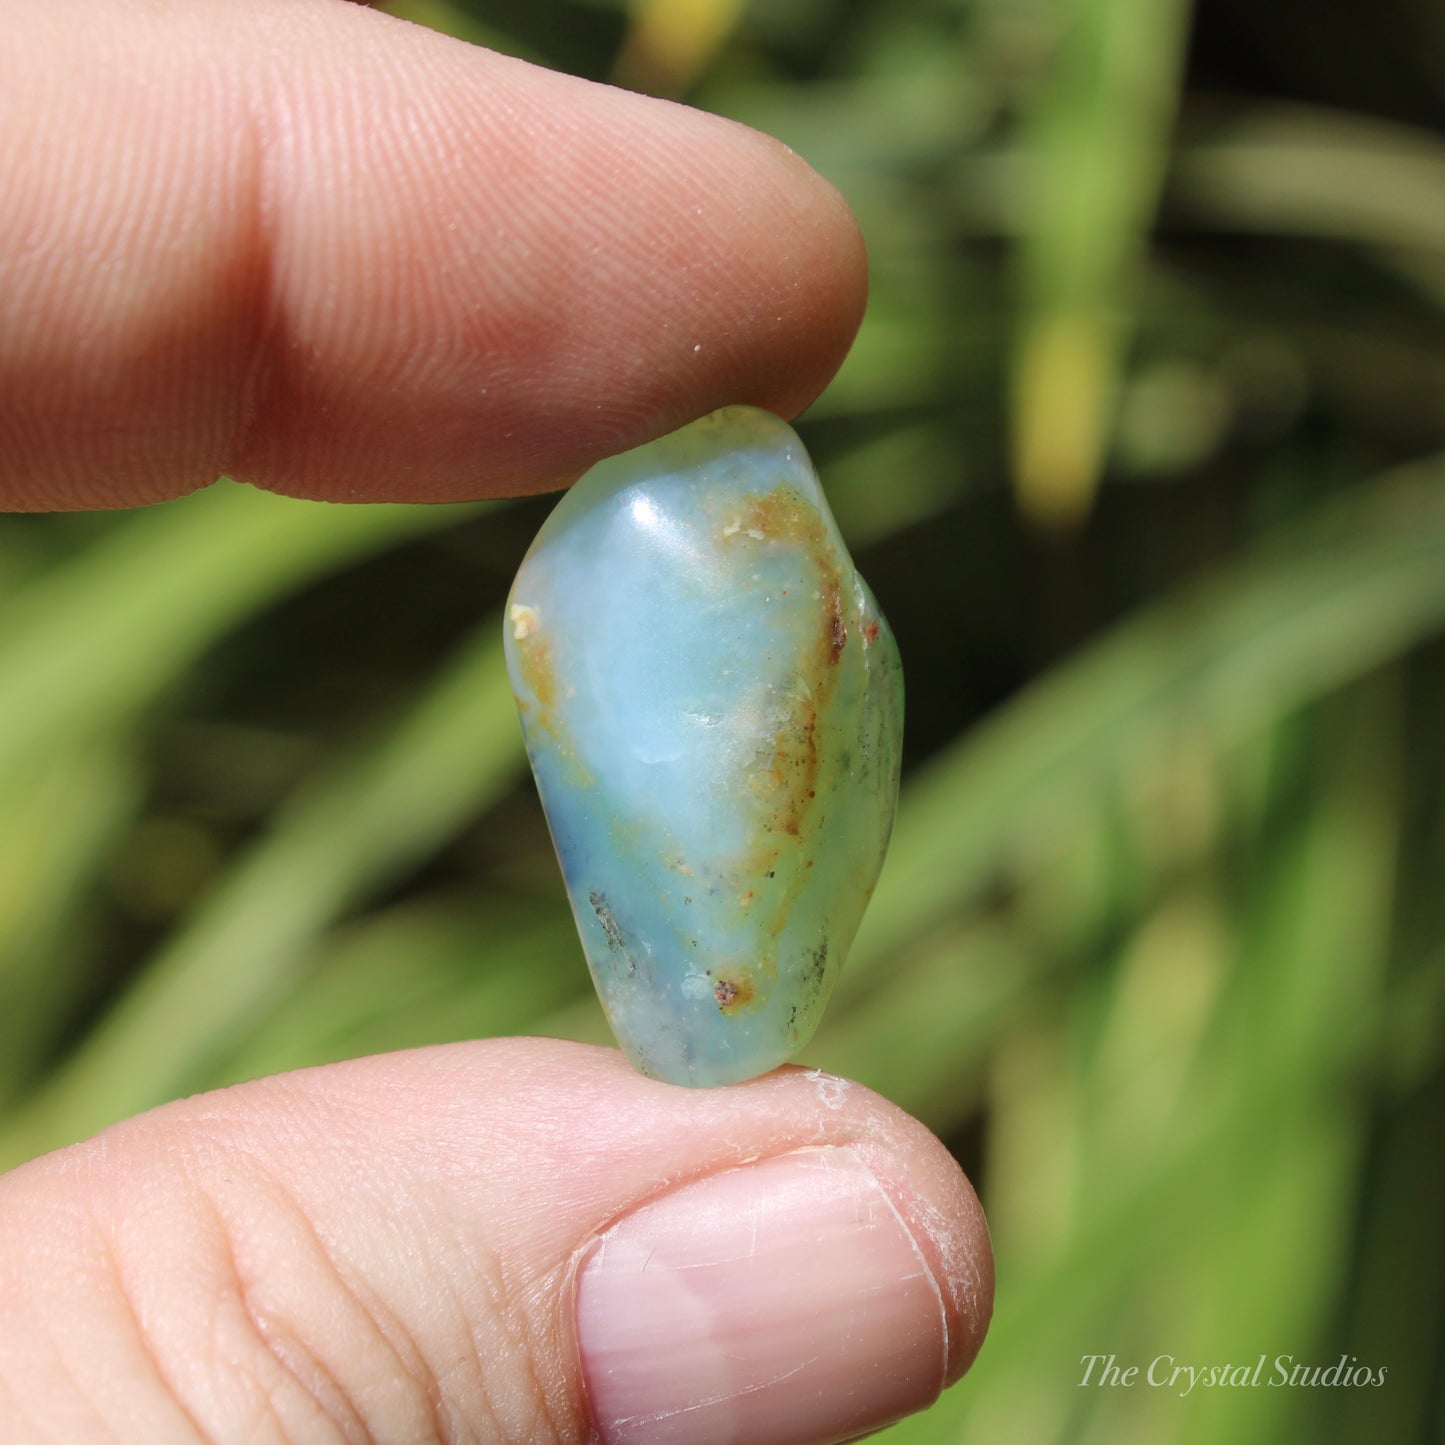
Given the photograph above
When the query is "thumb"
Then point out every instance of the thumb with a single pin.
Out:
(512, 1240)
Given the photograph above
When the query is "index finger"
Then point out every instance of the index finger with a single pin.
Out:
(340, 256)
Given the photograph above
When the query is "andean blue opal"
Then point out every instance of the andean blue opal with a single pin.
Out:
(713, 708)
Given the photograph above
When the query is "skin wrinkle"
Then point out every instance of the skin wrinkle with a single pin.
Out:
(150, 1348)
(264, 120)
(282, 123)
(278, 1343)
(412, 1358)
(558, 1359)
(140, 1336)
(94, 331)
(412, 1365)
(226, 1166)
(14, 1408)
(513, 1309)
(169, 229)
(59, 1361)
(528, 1349)
(467, 1365)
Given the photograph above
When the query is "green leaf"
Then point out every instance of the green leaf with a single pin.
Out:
(1098, 137)
(96, 641)
(363, 822)
(1361, 583)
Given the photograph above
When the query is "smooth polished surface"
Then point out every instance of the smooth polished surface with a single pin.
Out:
(713, 707)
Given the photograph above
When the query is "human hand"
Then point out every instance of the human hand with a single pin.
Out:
(341, 257)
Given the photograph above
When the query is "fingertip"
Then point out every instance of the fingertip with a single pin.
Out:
(814, 1293)
(930, 1191)
(598, 269)
(816, 250)
(341, 256)
(941, 1208)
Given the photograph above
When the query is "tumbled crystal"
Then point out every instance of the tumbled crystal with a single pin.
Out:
(713, 708)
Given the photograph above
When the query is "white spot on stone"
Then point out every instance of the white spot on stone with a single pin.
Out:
(525, 620)
(735, 526)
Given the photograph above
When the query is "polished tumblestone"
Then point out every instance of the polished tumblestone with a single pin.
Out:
(713, 707)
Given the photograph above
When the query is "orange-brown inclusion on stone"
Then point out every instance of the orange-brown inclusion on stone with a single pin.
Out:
(735, 993)
(539, 675)
(788, 783)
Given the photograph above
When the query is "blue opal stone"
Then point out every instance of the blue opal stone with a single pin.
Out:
(713, 708)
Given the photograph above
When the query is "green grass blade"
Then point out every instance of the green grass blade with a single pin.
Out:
(1098, 138)
(1256, 1159)
(97, 640)
(366, 820)
(60, 819)
(1288, 625)
(1305, 171)
(428, 972)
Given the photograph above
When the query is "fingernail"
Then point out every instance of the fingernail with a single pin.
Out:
(781, 1303)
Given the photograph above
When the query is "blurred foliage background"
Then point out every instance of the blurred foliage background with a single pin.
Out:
(1141, 448)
